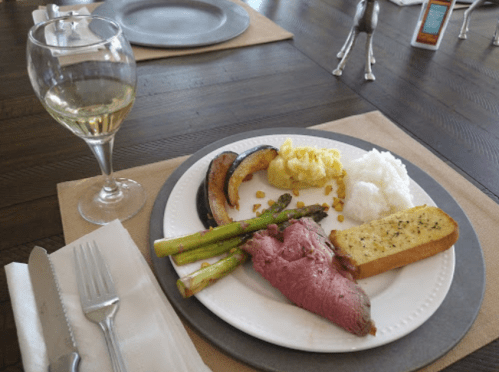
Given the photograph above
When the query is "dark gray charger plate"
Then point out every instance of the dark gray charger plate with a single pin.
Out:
(177, 23)
(433, 339)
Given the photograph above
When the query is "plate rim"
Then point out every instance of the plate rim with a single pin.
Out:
(266, 356)
(233, 13)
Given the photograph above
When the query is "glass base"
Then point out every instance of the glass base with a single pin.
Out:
(125, 204)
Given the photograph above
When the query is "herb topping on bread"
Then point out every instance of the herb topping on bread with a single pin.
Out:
(394, 241)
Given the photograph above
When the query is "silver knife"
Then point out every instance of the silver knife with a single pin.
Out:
(61, 348)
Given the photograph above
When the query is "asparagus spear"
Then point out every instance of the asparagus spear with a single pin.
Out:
(202, 278)
(209, 250)
(217, 248)
(282, 202)
(165, 247)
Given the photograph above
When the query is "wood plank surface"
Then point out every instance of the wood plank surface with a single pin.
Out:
(447, 100)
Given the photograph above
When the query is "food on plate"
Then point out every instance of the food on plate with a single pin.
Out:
(226, 172)
(394, 241)
(299, 262)
(222, 246)
(377, 185)
(165, 247)
(209, 274)
(202, 208)
(208, 250)
(303, 167)
(338, 204)
(247, 163)
(341, 191)
(214, 186)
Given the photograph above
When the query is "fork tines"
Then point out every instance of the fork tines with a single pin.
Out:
(94, 279)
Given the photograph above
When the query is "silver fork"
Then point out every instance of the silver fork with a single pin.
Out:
(62, 35)
(99, 299)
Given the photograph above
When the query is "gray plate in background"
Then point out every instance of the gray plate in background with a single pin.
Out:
(445, 328)
(177, 23)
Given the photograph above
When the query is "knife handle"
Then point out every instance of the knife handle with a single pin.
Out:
(66, 363)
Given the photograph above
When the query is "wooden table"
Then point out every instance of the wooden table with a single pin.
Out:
(447, 100)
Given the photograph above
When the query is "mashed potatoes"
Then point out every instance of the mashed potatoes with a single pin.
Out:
(303, 167)
(377, 185)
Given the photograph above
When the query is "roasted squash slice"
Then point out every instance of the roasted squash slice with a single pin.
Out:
(214, 186)
(210, 198)
(202, 207)
(247, 163)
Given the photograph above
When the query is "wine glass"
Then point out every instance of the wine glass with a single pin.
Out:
(83, 71)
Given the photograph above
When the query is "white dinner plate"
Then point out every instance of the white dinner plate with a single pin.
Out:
(402, 299)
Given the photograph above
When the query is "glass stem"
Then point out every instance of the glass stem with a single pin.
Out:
(103, 151)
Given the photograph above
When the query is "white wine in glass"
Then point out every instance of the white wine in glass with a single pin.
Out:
(83, 71)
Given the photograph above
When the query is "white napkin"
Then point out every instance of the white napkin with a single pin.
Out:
(40, 15)
(151, 336)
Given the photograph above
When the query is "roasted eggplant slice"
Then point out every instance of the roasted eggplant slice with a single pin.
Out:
(247, 163)
(214, 186)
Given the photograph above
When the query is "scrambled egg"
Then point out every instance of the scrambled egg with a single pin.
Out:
(303, 167)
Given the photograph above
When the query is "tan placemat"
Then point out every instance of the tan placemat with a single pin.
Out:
(372, 127)
(260, 31)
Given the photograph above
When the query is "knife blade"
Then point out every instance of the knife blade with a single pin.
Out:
(61, 348)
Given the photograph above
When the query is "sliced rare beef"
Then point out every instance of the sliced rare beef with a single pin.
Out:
(299, 262)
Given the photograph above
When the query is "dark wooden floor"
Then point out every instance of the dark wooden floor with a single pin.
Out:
(447, 100)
